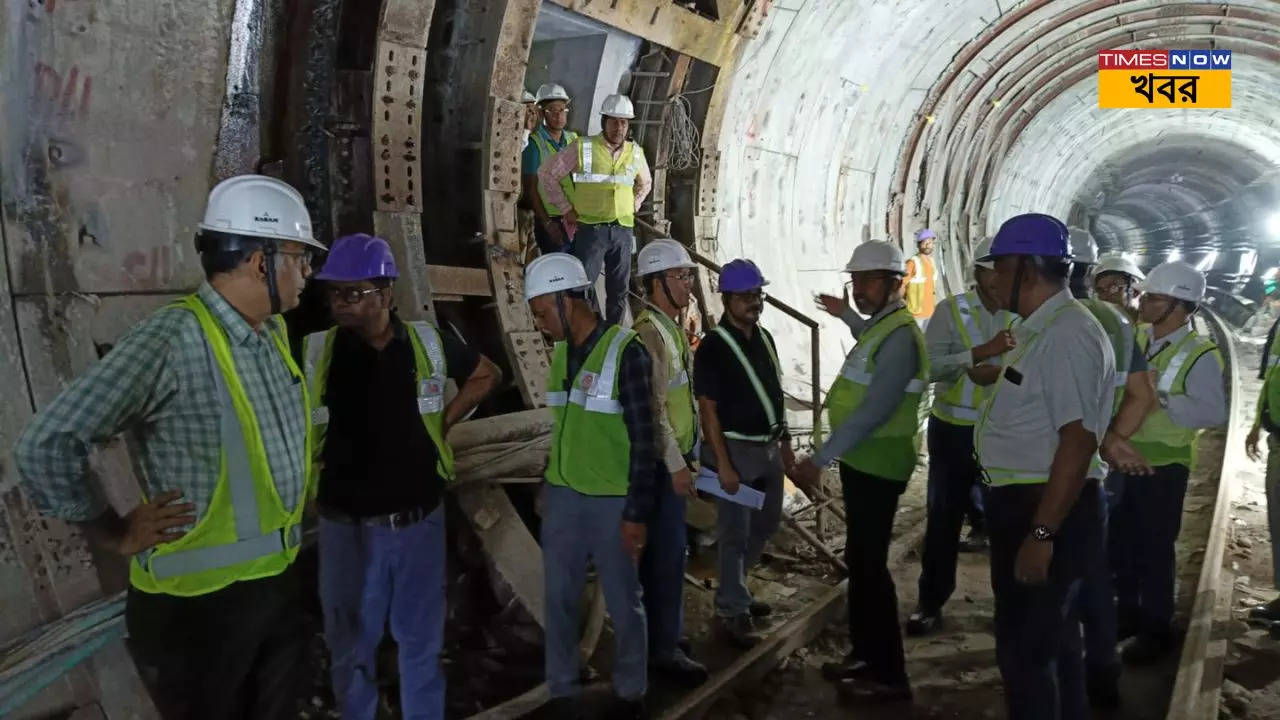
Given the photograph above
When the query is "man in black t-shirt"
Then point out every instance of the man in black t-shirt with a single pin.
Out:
(378, 388)
(739, 388)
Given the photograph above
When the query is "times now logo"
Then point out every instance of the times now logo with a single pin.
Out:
(1164, 60)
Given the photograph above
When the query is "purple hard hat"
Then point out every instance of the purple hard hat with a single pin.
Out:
(741, 276)
(1031, 234)
(358, 257)
(925, 234)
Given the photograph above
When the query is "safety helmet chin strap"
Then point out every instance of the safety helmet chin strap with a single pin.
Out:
(269, 260)
(568, 337)
(1017, 284)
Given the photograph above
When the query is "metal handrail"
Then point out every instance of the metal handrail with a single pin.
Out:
(815, 336)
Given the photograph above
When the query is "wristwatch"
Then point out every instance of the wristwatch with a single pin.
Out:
(1043, 533)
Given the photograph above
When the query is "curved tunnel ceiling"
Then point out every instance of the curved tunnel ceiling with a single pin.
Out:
(850, 121)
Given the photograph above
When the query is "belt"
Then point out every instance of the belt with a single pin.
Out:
(395, 521)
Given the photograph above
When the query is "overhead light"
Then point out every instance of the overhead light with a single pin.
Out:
(1273, 225)
(1207, 262)
(1174, 254)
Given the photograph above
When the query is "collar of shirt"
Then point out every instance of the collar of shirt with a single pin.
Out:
(581, 351)
(612, 151)
(238, 329)
(564, 137)
(399, 333)
(1158, 345)
(1038, 320)
(885, 311)
(737, 334)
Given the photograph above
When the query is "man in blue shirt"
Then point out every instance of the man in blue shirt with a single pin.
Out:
(550, 138)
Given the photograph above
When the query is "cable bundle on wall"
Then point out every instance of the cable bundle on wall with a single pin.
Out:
(686, 150)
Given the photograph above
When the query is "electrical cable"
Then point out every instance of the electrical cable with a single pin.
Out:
(686, 150)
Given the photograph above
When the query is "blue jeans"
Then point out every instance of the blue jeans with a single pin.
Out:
(374, 576)
(608, 247)
(578, 528)
(1037, 627)
(662, 569)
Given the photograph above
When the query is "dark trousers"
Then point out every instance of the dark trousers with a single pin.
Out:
(1037, 626)
(953, 475)
(662, 569)
(609, 247)
(545, 243)
(1149, 518)
(1098, 594)
(870, 505)
(239, 652)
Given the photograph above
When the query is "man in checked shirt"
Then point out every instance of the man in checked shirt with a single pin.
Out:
(209, 390)
(600, 491)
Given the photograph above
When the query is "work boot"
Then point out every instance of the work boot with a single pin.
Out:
(564, 708)
(849, 667)
(623, 709)
(764, 609)
(1147, 648)
(1269, 612)
(923, 622)
(682, 670)
(868, 691)
(685, 645)
(1103, 687)
(976, 541)
(739, 630)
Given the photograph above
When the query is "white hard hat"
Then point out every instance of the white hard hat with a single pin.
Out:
(553, 273)
(1118, 263)
(259, 206)
(662, 254)
(618, 106)
(983, 250)
(1178, 280)
(877, 255)
(528, 97)
(552, 92)
(1084, 251)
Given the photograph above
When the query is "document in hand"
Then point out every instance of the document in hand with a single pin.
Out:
(708, 482)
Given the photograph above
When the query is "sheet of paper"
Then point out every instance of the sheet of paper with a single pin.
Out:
(708, 482)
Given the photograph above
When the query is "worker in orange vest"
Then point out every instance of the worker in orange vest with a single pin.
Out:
(922, 278)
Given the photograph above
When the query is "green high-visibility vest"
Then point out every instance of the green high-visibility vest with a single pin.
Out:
(961, 402)
(430, 377)
(997, 476)
(546, 151)
(1122, 333)
(247, 532)
(602, 190)
(892, 449)
(590, 448)
(680, 408)
(770, 414)
(1160, 440)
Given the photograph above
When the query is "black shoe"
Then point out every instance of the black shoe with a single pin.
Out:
(563, 708)
(848, 668)
(866, 691)
(1147, 648)
(1103, 687)
(1274, 630)
(739, 631)
(764, 609)
(681, 670)
(685, 646)
(628, 709)
(923, 622)
(1270, 612)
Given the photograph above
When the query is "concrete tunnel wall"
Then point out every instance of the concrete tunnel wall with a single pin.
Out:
(852, 121)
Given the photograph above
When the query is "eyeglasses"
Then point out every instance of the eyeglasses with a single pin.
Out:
(556, 111)
(350, 296)
(684, 276)
(308, 256)
(753, 295)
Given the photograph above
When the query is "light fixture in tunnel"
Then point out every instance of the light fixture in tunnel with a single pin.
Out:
(1273, 225)
(1206, 263)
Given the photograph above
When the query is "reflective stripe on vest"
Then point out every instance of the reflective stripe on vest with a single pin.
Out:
(599, 397)
(959, 402)
(892, 448)
(771, 416)
(681, 408)
(175, 568)
(431, 375)
(546, 150)
(1160, 439)
(586, 176)
(997, 476)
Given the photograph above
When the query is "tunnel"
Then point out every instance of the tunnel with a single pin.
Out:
(784, 131)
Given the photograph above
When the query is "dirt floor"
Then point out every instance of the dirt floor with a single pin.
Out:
(1251, 687)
